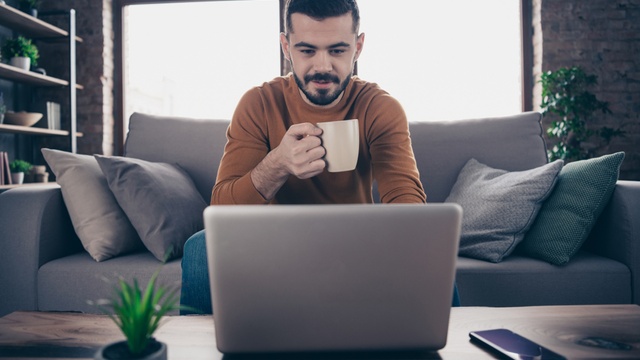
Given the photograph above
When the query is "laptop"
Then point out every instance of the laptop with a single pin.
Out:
(300, 278)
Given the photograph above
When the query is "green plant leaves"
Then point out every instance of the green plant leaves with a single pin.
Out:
(21, 47)
(566, 99)
(137, 313)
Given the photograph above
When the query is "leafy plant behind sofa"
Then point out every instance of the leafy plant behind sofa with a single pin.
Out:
(565, 96)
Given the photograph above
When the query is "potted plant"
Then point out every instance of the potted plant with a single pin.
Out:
(29, 6)
(21, 52)
(18, 169)
(138, 313)
(567, 101)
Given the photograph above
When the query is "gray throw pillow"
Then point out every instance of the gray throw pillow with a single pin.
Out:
(101, 225)
(499, 206)
(567, 217)
(160, 200)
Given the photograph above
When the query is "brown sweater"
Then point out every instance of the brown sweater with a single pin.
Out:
(266, 112)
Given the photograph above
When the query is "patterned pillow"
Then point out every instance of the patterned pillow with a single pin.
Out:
(567, 217)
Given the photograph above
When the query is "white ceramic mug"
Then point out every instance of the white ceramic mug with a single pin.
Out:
(341, 141)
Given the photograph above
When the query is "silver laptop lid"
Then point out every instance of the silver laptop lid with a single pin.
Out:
(331, 277)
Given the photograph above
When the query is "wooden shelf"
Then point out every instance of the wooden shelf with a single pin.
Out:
(7, 187)
(17, 129)
(9, 72)
(29, 25)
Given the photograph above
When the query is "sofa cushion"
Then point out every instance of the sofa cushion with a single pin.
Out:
(195, 144)
(511, 143)
(567, 217)
(159, 199)
(499, 206)
(523, 281)
(101, 225)
(67, 283)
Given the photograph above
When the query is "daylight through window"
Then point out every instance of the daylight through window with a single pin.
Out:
(443, 60)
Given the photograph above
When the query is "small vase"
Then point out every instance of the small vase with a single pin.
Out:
(156, 350)
(23, 63)
(29, 10)
(17, 178)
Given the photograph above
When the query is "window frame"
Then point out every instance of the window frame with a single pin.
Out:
(526, 34)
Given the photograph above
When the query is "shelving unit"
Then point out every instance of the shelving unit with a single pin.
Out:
(37, 29)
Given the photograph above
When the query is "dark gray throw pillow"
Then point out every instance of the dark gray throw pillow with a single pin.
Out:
(159, 199)
(102, 227)
(499, 206)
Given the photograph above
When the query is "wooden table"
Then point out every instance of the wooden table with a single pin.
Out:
(71, 335)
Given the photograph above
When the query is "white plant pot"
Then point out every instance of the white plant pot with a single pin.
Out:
(17, 178)
(23, 63)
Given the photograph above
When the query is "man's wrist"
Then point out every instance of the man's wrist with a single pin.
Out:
(268, 176)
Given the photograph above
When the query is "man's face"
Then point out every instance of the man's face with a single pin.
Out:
(322, 54)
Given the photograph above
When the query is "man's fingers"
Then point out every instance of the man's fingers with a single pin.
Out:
(311, 141)
(312, 169)
(302, 130)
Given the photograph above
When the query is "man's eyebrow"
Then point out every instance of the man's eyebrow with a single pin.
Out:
(307, 45)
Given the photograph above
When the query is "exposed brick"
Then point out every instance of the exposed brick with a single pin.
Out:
(603, 37)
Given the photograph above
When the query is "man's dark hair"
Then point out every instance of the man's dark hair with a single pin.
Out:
(322, 9)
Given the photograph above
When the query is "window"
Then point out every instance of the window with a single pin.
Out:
(444, 60)
(197, 59)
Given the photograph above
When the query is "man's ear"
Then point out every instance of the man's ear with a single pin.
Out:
(284, 45)
(359, 45)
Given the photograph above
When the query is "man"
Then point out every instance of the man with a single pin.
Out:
(274, 153)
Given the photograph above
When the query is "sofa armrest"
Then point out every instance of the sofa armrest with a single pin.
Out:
(616, 234)
(35, 228)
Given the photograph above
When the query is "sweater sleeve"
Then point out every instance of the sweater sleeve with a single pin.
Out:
(246, 146)
(392, 159)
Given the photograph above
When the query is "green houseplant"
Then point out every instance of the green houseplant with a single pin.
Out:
(18, 168)
(18, 49)
(567, 101)
(138, 314)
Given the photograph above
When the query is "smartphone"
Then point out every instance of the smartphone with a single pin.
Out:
(513, 345)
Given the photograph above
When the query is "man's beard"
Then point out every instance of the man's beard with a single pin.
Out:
(323, 96)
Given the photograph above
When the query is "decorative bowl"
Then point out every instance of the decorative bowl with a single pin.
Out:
(21, 118)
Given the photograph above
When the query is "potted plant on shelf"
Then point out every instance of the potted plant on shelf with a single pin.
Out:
(21, 52)
(18, 169)
(566, 99)
(29, 6)
(138, 314)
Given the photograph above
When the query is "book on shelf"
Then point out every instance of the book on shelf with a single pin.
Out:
(5, 171)
(1, 167)
(53, 115)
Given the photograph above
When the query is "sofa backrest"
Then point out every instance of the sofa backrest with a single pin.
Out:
(194, 144)
(441, 148)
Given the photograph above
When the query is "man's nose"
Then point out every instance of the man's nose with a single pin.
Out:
(322, 62)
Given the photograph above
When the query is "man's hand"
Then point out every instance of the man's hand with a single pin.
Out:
(300, 154)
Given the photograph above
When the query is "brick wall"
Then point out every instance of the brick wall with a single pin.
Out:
(603, 37)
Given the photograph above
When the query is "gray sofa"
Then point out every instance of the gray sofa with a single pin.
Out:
(44, 267)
